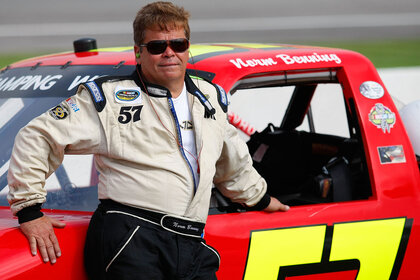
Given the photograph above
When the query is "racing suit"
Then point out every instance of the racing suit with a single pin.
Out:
(134, 135)
(146, 184)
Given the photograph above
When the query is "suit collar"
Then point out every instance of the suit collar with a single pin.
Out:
(160, 91)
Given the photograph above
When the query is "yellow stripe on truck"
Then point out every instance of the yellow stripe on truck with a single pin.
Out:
(374, 244)
(271, 249)
(197, 50)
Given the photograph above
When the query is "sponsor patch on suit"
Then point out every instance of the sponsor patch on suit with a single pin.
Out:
(128, 95)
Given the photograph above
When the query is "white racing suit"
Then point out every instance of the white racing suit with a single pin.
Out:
(134, 134)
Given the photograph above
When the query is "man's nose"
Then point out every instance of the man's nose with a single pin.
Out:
(168, 52)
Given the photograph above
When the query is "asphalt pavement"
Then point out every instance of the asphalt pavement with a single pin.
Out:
(41, 25)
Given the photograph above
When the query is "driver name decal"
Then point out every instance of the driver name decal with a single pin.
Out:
(287, 59)
(313, 58)
(239, 63)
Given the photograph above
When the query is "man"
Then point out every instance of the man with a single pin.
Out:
(161, 140)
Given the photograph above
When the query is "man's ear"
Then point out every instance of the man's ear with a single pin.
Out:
(137, 51)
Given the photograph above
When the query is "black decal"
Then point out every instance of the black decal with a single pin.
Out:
(352, 265)
(125, 117)
(401, 250)
(126, 114)
(137, 111)
(208, 115)
(327, 244)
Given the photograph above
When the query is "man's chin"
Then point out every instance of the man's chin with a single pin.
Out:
(172, 75)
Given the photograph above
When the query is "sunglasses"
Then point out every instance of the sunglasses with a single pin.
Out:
(159, 46)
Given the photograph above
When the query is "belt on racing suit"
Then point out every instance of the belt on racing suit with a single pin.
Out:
(167, 222)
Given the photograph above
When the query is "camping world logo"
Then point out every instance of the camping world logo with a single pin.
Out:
(382, 117)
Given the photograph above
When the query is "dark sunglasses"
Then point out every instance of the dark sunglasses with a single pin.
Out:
(159, 46)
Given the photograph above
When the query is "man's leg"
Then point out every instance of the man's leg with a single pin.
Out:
(197, 260)
(121, 247)
(93, 258)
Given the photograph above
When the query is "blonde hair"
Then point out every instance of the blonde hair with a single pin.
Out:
(164, 15)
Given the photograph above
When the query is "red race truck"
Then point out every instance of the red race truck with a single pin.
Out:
(321, 128)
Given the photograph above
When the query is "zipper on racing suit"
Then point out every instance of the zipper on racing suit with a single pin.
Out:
(172, 107)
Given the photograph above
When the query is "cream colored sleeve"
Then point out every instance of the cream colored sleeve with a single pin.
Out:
(71, 127)
(235, 176)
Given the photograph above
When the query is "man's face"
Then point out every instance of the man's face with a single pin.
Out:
(167, 67)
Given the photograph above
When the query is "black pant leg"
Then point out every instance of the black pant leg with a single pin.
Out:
(198, 261)
(120, 247)
(93, 253)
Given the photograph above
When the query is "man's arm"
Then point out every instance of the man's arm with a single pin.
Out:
(237, 179)
(39, 149)
(40, 233)
(269, 204)
(38, 229)
(276, 205)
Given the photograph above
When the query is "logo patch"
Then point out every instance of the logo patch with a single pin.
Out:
(95, 91)
(186, 125)
(72, 105)
(59, 112)
(382, 117)
(223, 97)
(371, 90)
(157, 91)
(391, 154)
(127, 95)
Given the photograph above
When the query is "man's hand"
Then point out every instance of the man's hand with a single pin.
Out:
(40, 233)
(276, 205)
